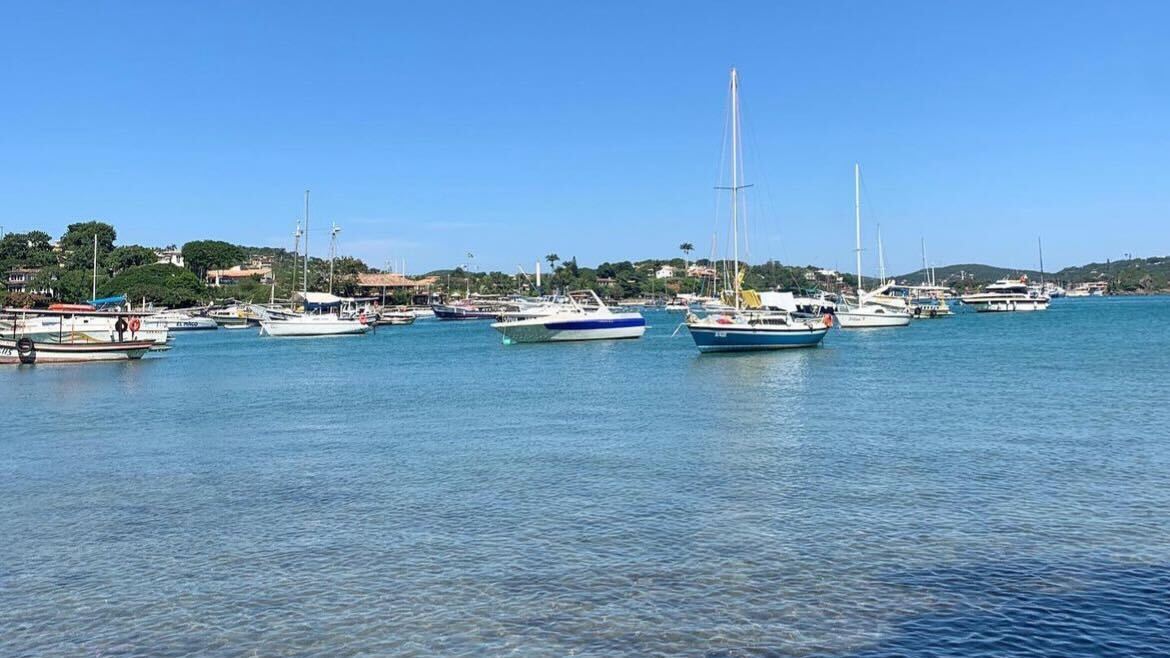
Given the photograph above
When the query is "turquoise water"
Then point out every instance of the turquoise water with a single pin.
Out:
(981, 485)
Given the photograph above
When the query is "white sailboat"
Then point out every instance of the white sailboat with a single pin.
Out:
(308, 324)
(866, 314)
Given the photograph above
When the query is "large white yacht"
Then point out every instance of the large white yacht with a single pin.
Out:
(1007, 295)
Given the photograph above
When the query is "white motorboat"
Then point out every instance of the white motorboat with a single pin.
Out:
(180, 321)
(582, 316)
(25, 350)
(1007, 295)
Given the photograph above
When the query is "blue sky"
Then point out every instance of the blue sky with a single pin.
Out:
(594, 129)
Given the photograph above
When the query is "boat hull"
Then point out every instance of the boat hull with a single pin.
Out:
(747, 338)
(287, 328)
(850, 320)
(190, 324)
(1008, 306)
(445, 312)
(11, 352)
(550, 330)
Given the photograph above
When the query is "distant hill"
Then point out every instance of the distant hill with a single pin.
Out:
(1132, 275)
(953, 274)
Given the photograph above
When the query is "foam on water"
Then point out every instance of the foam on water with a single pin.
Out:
(981, 485)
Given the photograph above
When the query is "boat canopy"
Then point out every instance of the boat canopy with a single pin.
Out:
(108, 301)
(318, 298)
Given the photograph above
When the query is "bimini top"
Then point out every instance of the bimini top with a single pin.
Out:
(107, 301)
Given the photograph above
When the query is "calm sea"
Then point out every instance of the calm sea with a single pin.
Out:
(984, 485)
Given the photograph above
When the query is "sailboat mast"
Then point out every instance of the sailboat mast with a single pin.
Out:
(305, 282)
(925, 270)
(735, 178)
(881, 258)
(94, 293)
(857, 224)
(1040, 245)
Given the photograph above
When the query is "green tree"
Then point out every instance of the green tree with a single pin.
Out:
(203, 255)
(123, 258)
(67, 285)
(160, 283)
(32, 249)
(77, 243)
(552, 261)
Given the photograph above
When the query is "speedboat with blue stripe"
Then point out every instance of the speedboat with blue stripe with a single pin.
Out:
(582, 316)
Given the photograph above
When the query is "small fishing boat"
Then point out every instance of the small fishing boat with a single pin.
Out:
(395, 316)
(583, 316)
(83, 321)
(25, 350)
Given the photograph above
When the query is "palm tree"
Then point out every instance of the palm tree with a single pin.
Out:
(686, 248)
(552, 261)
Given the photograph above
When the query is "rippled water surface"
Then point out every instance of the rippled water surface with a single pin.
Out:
(985, 485)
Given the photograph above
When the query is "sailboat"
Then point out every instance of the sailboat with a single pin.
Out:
(308, 324)
(747, 325)
(866, 313)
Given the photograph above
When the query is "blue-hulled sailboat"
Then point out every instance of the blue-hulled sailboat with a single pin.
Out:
(748, 325)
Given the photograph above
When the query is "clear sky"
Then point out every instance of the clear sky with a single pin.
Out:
(594, 129)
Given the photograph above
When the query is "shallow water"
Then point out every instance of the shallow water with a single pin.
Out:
(980, 485)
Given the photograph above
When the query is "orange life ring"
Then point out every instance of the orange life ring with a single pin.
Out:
(135, 324)
(827, 320)
(362, 318)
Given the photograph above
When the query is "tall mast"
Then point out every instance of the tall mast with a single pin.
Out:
(881, 258)
(1041, 247)
(94, 293)
(735, 178)
(296, 254)
(332, 252)
(925, 270)
(857, 224)
(305, 282)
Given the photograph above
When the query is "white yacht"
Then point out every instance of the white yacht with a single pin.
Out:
(1007, 295)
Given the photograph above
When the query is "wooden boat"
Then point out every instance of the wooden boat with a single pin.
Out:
(27, 351)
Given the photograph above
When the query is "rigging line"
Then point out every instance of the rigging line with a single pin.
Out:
(764, 204)
(720, 172)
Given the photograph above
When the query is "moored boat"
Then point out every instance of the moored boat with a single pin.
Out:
(1007, 295)
(25, 350)
(464, 311)
(740, 321)
(582, 317)
(874, 309)
(180, 321)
